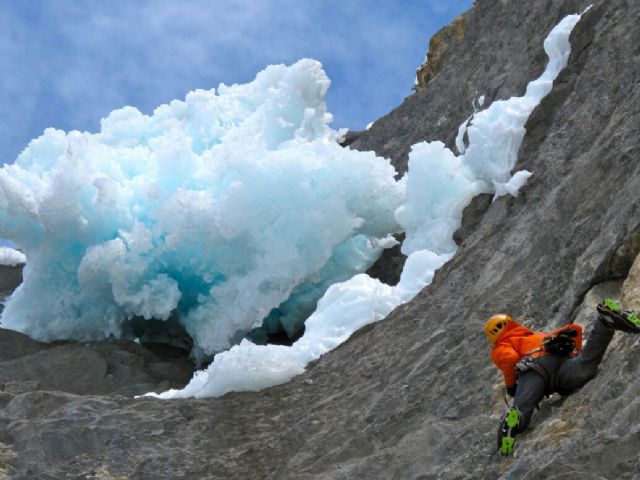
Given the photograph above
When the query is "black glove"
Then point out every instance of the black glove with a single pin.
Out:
(511, 391)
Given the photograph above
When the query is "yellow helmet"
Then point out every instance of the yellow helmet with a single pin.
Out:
(494, 326)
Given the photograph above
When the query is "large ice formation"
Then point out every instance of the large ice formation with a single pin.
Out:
(217, 209)
(438, 186)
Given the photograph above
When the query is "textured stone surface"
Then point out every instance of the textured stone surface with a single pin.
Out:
(118, 367)
(10, 278)
(415, 396)
(631, 288)
(389, 266)
(441, 48)
(472, 216)
(15, 345)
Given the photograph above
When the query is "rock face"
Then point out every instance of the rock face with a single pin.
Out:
(441, 48)
(117, 368)
(631, 288)
(415, 396)
(10, 278)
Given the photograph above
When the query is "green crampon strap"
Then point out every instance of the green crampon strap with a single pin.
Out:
(513, 418)
(507, 445)
(634, 318)
(508, 441)
(611, 304)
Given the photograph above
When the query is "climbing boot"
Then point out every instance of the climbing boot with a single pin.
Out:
(508, 429)
(611, 314)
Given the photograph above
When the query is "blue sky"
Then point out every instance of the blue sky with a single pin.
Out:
(66, 64)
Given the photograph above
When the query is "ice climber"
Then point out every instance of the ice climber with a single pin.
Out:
(536, 364)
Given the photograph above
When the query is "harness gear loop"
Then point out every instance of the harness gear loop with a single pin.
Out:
(530, 363)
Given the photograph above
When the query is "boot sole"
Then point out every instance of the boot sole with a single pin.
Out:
(612, 315)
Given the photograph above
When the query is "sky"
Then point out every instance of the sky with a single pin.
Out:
(67, 63)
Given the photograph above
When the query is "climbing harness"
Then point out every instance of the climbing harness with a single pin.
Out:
(530, 363)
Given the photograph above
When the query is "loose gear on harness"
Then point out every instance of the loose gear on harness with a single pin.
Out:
(530, 363)
(563, 343)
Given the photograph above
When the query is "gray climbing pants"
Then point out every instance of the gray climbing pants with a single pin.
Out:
(563, 375)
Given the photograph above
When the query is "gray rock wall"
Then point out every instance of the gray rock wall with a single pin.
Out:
(415, 396)
(10, 278)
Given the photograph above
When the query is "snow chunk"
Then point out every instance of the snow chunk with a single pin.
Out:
(462, 129)
(515, 183)
(244, 367)
(438, 187)
(495, 134)
(418, 272)
(11, 258)
(387, 242)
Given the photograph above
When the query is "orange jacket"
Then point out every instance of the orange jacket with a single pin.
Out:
(517, 342)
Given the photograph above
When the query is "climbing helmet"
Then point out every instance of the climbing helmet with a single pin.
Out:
(495, 325)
